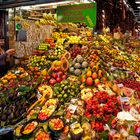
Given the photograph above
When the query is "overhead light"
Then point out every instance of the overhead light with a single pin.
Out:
(138, 7)
(137, 2)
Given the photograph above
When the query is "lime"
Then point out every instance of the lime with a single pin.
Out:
(68, 91)
(60, 96)
(60, 89)
(62, 100)
(65, 95)
(63, 92)
(65, 87)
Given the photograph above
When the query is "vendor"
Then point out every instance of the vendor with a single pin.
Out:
(3, 56)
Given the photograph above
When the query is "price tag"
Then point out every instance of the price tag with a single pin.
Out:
(124, 99)
(39, 95)
(72, 108)
(17, 71)
(120, 85)
(113, 68)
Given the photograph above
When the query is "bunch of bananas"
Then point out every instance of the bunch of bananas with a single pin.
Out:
(49, 16)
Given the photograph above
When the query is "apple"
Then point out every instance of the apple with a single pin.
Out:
(54, 75)
(52, 45)
(58, 79)
(89, 81)
(48, 77)
(52, 81)
(60, 74)
(56, 68)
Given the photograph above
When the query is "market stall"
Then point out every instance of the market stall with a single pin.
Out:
(74, 85)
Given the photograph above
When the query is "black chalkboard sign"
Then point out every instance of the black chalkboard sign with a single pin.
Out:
(21, 35)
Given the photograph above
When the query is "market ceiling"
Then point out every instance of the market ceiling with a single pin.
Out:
(135, 4)
(17, 3)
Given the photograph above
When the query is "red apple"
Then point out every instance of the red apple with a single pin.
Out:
(89, 81)
(58, 79)
(52, 81)
(60, 74)
(52, 45)
(54, 75)
(48, 77)
(56, 68)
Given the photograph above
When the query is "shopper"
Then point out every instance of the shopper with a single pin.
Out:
(3, 56)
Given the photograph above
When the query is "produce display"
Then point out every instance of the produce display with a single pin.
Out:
(47, 109)
(41, 135)
(56, 124)
(77, 86)
(66, 90)
(78, 65)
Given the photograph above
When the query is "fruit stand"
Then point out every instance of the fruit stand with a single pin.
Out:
(75, 85)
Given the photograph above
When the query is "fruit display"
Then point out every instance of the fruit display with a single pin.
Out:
(74, 39)
(42, 135)
(102, 114)
(19, 93)
(78, 65)
(47, 109)
(56, 124)
(75, 50)
(29, 128)
(56, 53)
(47, 19)
(92, 56)
(93, 76)
(66, 90)
(81, 86)
(56, 73)
(38, 62)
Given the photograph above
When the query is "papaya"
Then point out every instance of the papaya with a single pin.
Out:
(65, 65)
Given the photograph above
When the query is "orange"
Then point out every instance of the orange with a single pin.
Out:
(89, 73)
(94, 75)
